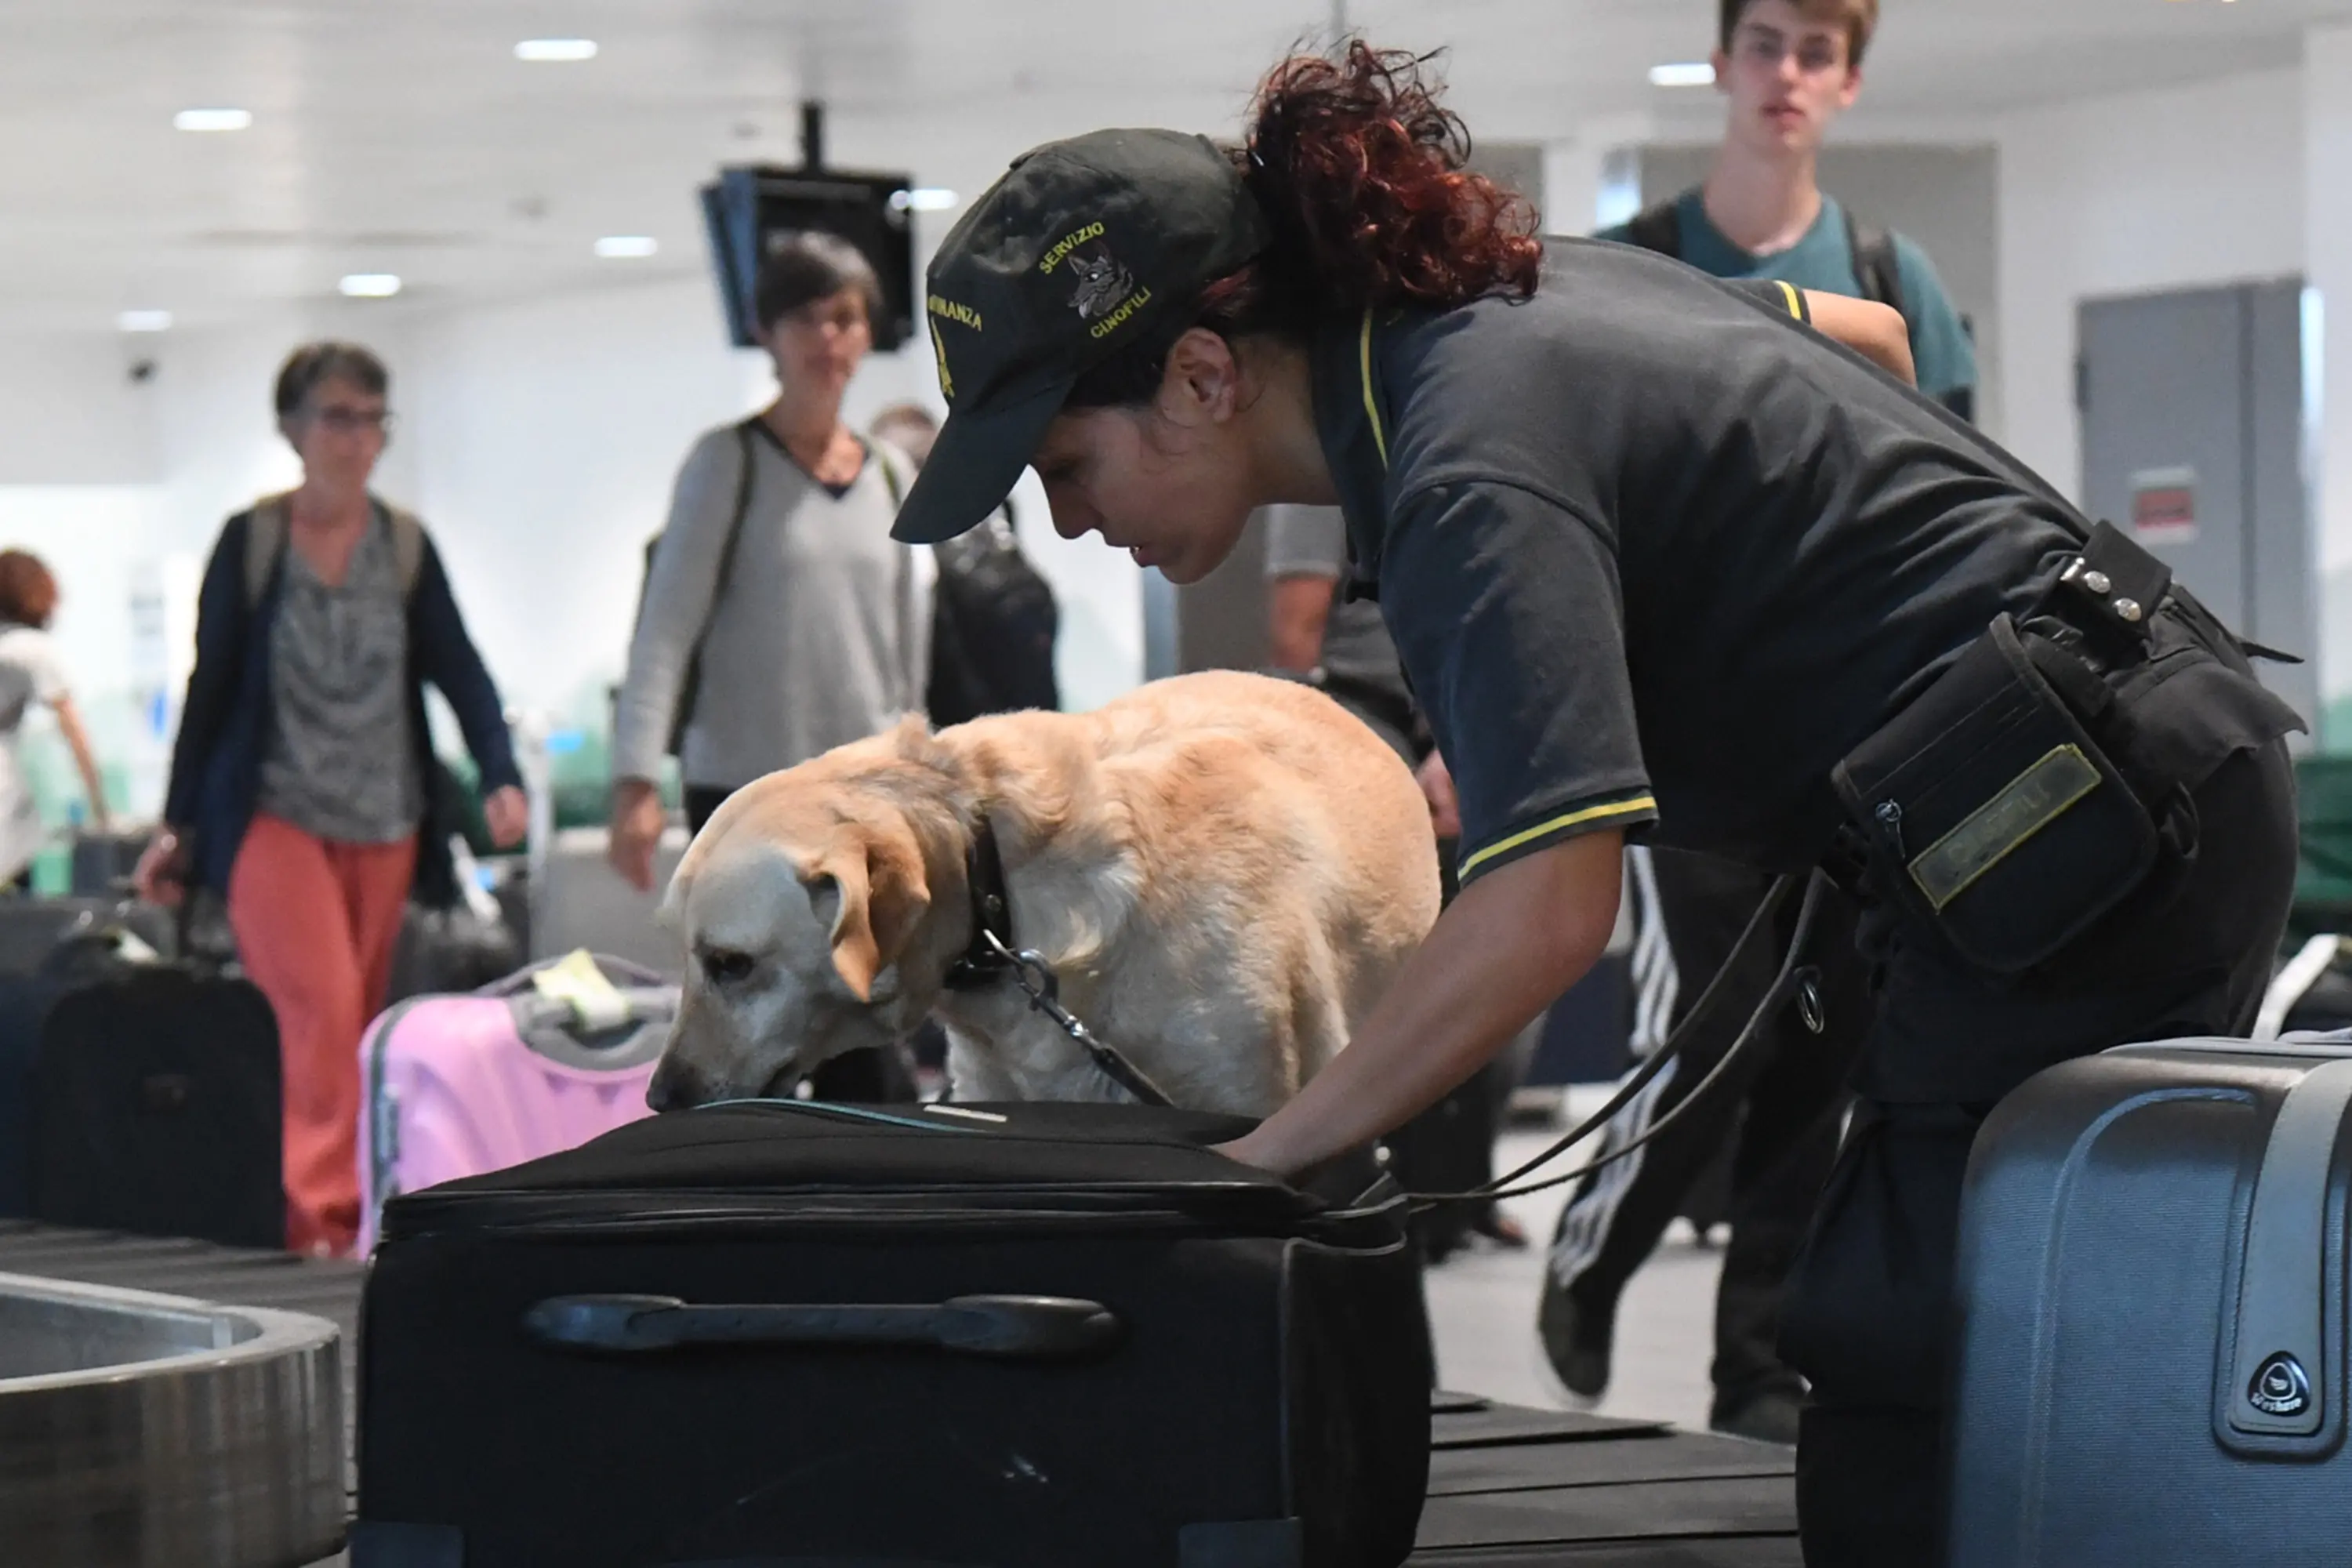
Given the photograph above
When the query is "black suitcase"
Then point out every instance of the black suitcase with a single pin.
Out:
(156, 1106)
(1448, 1148)
(442, 953)
(25, 1001)
(32, 928)
(2151, 1355)
(103, 863)
(784, 1332)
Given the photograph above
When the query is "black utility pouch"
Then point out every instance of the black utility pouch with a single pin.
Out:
(1998, 822)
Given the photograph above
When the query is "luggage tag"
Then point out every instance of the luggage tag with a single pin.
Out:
(576, 982)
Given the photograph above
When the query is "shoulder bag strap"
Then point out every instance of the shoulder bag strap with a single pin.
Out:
(692, 686)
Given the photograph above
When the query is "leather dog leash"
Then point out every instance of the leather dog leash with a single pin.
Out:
(991, 956)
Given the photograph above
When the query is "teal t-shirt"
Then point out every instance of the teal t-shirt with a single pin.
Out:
(1823, 260)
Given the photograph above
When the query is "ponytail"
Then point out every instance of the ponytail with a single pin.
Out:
(1360, 173)
(1361, 176)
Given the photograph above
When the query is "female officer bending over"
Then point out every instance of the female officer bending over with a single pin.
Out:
(1658, 558)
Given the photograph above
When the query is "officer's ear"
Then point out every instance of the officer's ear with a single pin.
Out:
(1202, 384)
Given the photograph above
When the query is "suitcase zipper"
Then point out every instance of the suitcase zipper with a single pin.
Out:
(658, 1214)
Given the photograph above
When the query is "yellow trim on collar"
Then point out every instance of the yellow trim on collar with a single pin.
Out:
(1640, 803)
(1795, 301)
(1372, 409)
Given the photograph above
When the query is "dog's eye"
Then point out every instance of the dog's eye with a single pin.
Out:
(724, 967)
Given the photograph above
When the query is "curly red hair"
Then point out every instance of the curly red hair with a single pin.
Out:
(1363, 172)
(1363, 176)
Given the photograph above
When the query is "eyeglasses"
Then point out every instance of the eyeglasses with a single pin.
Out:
(351, 421)
(1770, 46)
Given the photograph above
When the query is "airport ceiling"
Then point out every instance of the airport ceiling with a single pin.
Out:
(405, 136)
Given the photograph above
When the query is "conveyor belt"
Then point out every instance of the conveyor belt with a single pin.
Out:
(1508, 1488)
(199, 1269)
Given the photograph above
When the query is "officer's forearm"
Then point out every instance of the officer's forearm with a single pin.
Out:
(1510, 944)
(1875, 331)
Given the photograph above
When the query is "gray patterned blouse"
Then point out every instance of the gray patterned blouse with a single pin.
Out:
(341, 762)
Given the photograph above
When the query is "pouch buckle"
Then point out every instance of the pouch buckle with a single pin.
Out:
(2120, 584)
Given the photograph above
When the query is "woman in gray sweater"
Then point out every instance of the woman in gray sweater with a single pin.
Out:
(780, 618)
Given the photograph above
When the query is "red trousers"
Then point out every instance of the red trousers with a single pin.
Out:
(316, 919)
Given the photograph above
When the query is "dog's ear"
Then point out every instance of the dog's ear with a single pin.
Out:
(872, 893)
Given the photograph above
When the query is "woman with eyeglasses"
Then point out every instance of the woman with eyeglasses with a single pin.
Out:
(302, 786)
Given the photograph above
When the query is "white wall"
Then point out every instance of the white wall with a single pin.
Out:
(2328, 169)
(539, 440)
(2120, 195)
(545, 440)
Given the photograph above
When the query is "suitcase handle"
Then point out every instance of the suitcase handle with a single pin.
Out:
(1012, 1328)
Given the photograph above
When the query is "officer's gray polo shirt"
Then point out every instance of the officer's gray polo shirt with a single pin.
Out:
(1654, 553)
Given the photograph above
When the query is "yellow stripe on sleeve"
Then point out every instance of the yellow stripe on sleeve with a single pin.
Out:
(1372, 409)
(1632, 808)
(1795, 301)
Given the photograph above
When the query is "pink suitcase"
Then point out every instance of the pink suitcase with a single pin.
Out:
(454, 1086)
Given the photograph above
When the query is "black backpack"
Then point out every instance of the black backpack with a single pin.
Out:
(1660, 228)
(993, 621)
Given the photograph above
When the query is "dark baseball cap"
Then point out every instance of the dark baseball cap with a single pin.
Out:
(1081, 248)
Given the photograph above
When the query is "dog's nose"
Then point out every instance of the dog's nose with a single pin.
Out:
(674, 1086)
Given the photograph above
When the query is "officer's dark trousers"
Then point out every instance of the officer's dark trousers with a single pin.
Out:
(1778, 1109)
(1868, 1319)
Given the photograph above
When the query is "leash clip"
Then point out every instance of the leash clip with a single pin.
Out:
(1044, 988)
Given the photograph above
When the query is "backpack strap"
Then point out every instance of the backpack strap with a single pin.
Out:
(407, 548)
(1875, 265)
(1659, 228)
(266, 531)
(265, 542)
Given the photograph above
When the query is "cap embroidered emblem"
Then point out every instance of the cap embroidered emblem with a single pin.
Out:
(1102, 284)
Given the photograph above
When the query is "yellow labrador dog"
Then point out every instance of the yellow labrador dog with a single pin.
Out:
(1225, 870)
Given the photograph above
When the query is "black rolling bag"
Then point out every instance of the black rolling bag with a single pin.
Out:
(788, 1333)
(1448, 1148)
(2151, 1354)
(156, 1104)
(31, 928)
(138, 1094)
(103, 863)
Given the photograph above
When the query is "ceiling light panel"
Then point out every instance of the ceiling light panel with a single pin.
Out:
(556, 51)
(212, 118)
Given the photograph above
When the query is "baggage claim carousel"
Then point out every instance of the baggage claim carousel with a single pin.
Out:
(171, 1403)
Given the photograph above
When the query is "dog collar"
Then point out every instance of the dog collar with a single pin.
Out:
(982, 964)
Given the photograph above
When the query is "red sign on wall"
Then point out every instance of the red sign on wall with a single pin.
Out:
(2164, 506)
